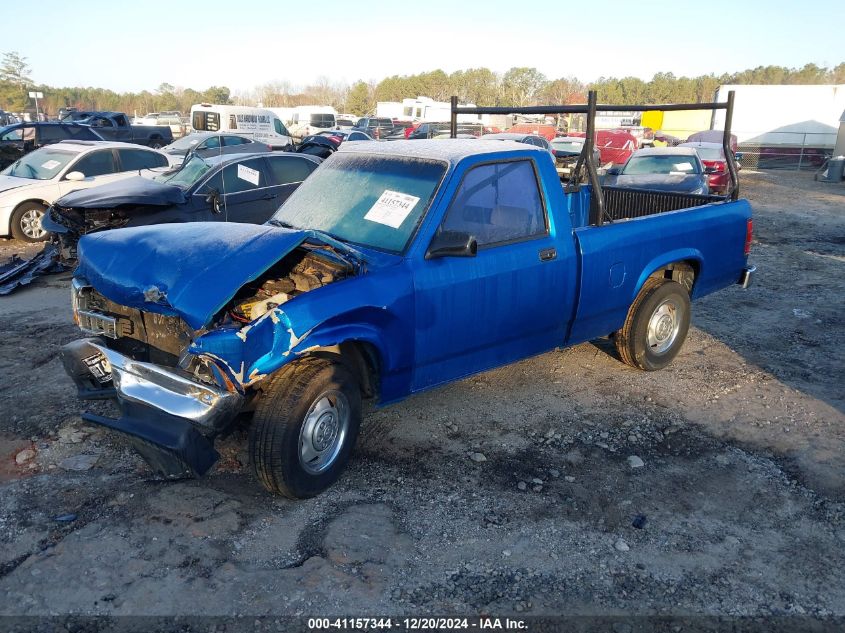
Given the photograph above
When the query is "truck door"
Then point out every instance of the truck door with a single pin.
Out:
(513, 299)
(106, 128)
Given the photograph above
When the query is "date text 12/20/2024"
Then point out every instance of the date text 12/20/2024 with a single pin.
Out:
(418, 624)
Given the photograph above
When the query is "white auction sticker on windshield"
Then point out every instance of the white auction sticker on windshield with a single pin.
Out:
(392, 208)
(250, 175)
(51, 164)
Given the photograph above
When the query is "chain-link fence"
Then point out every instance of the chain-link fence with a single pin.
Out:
(805, 151)
(800, 151)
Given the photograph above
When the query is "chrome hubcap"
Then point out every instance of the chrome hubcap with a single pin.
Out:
(663, 326)
(323, 432)
(31, 224)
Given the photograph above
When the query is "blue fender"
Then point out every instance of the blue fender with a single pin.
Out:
(679, 255)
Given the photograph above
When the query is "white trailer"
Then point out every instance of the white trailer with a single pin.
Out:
(784, 116)
(425, 109)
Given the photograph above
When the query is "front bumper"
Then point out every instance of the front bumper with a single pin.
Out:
(747, 275)
(169, 418)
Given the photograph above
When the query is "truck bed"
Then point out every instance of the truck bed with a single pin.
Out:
(623, 203)
(617, 256)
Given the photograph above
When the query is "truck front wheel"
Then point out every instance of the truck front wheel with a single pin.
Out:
(305, 426)
(656, 326)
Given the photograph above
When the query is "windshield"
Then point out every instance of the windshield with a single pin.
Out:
(194, 169)
(374, 201)
(42, 164)
(666, 164)
(568, 146)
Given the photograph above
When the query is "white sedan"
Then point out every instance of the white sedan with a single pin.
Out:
(31, 184)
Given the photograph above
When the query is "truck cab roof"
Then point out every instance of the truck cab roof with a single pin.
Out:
(449, 150)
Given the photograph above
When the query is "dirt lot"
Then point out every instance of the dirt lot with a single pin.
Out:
(737, 509)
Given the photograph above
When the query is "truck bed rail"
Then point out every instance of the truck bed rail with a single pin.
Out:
(638, 203)
(621, 203)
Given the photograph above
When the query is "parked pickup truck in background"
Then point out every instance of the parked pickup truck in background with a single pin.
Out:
(115, 126)
(395, 268)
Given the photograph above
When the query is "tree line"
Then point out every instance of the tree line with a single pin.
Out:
(481, 86)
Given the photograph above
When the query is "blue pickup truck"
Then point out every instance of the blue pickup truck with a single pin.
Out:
(395, 268)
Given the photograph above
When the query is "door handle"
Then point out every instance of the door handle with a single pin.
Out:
(270, 196)
(548, 254)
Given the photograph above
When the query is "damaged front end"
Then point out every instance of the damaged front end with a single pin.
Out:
(170, 419)
(66, 225)
(170, 410)
(180, 379)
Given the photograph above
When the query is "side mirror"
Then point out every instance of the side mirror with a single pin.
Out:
(213, 198)
(75, 176)
(711, 170)
(452, 244)
(614, 171)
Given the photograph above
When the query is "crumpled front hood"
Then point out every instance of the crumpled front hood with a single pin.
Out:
(137, 190)
(660, 182)
(190, 270)
(7, 183)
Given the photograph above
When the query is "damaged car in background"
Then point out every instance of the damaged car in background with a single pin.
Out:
(395, 268)
(227, 188)
(32, 183)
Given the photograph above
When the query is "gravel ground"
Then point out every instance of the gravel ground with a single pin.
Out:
(566, 483)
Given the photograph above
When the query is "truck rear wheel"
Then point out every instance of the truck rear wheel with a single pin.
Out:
(305, 426)
(656, 326)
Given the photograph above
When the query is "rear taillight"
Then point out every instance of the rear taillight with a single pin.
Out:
(720, 165)
(749, 234)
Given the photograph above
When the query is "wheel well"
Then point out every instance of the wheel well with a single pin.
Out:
(35, 200)
(685, 273)
(361, 359)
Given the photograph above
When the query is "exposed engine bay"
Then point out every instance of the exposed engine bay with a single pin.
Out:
(305, 269)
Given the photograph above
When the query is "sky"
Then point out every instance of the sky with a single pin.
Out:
(242, 45)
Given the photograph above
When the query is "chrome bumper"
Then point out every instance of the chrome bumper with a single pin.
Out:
(169, 418)
(154, 386)
(746, 276)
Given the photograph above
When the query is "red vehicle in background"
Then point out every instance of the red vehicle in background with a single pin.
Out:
(615, 146)
(712, 155)
(548, 132)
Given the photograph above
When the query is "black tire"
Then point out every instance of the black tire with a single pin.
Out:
(21, 222)
(156, 143)
(636, 347)
(282, 417)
